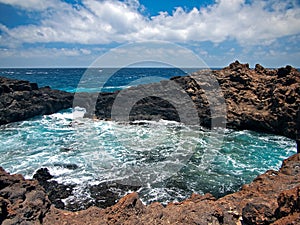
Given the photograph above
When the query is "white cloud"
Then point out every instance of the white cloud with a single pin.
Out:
(39, 5)
(102, 22)
(44, 52)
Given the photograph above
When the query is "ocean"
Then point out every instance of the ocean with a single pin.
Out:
(100, 149)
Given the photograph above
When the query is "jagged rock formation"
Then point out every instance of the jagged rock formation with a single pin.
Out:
(21, 201)
(258, 99)
(103, 195)
(272, 198)
(20, 100)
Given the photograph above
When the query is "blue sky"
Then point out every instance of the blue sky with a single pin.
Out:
(73, 33)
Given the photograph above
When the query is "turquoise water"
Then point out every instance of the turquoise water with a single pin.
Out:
(167, 159)
(105, 150)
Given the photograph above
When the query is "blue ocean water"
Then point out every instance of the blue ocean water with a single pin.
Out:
(101, 149)
(67, 79)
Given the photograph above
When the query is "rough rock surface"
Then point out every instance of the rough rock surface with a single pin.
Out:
(258, 99)
(272, 198)
(102, 195)
(21, 100)
(21, 201)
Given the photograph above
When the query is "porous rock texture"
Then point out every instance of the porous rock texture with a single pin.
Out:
(260, 99)
(272, 198)
(20, 100)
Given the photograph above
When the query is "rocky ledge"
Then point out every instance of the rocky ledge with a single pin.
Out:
(272, 198)
(260, 99)
(20, 100)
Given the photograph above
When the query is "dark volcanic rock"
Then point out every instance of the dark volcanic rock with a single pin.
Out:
(21, 100)
(103, 195)
(257, 99)
(55, 191)
(108, 193)
(272, 198)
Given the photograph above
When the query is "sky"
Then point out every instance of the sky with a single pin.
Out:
(73, 33)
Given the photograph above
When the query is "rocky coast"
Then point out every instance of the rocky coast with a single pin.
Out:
(260, 99)
(20, 100)
(272, 198)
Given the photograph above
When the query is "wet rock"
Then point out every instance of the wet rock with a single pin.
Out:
(272, 198)
(257, 203)
(259, 99)
(102, 195)
(42, 175)
(55, 191)
(69, 166)
(20, 100)
(108, 193)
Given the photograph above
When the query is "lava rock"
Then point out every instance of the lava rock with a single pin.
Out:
(260, 99)
(20, 100)
(273, 197)
(55, 191)
(21, 201)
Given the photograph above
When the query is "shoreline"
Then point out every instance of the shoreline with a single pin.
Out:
(272, 198)
(257, 99)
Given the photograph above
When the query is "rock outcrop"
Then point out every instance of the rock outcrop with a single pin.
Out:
(272, 198)
(21, 201)
(260, 99)
(102, 195)
(20, 100)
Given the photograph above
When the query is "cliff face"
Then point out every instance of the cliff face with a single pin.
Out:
(272, 198)
(20, 100)
(256, 99)
(261, 99)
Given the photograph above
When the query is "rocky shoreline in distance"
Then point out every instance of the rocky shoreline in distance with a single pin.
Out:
(272, 198)
(21, 100)
(259, 99)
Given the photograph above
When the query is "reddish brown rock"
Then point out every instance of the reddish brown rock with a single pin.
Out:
(21, 201)
(272, 198)
(257, 99)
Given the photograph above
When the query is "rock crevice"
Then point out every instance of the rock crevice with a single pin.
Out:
(272, 198)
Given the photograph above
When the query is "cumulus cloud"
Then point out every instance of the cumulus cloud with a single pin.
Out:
(39, 5)
(103, 22)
